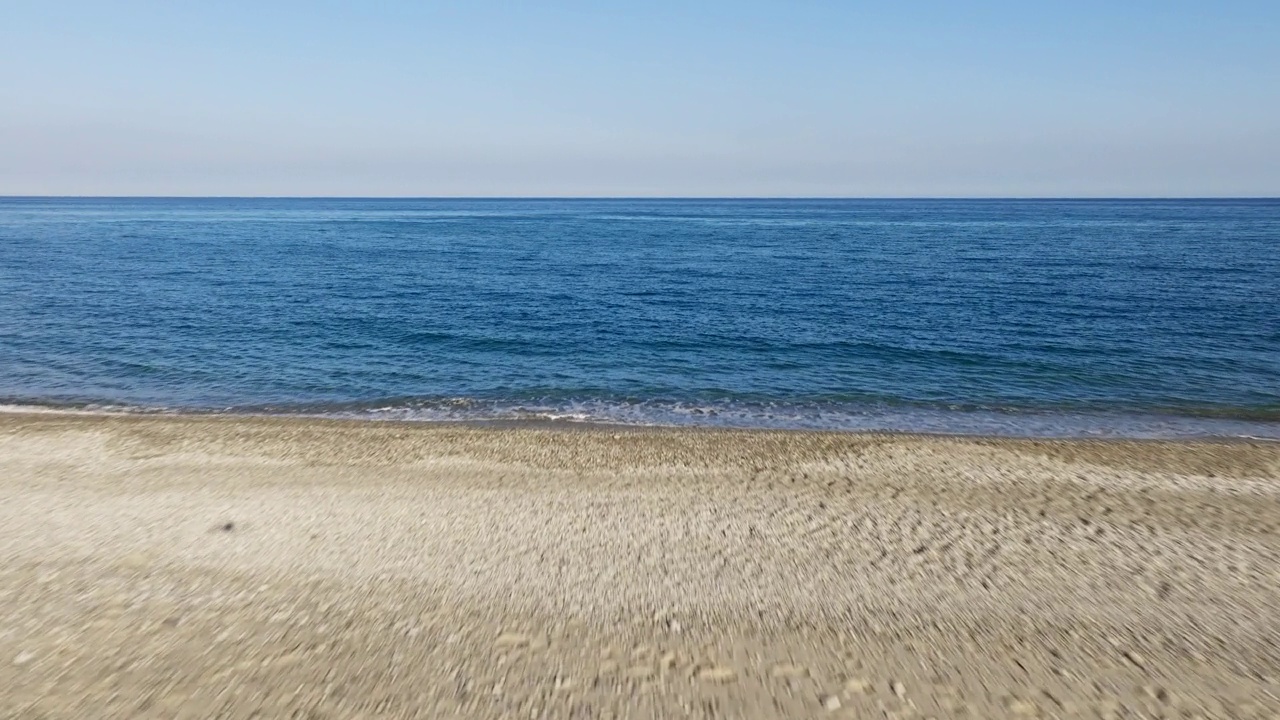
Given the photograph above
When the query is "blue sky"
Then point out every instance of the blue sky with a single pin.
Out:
(672, 99)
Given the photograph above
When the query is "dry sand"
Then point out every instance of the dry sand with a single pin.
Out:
(265, 567)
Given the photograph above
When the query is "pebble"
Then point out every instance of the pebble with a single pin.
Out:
(898, 688)
(1136, 658)
(1023, 708)
(509, 639)
(717, 674)
(831, 703)
(1156, 693)
(23, 658)
(857, 685)
(787, 670)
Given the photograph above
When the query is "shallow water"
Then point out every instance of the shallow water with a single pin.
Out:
(1132, 318)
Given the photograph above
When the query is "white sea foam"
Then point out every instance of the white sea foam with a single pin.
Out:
(825, 417)
(783, 416)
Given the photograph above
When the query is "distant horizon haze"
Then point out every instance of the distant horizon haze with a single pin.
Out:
(674, 198)
(568, 99)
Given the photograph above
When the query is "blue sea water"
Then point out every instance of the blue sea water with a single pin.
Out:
(1019, 317)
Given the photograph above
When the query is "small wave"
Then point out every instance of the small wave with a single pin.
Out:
(940, 419)
(809, 416)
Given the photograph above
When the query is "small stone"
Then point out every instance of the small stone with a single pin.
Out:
(787, 670)
(717, 674)
(1023, 708)
(512, 640)
(898, 688)
(858, 686)
(23, 658)
(1156, 693)
(1135, 658)
(831, 703)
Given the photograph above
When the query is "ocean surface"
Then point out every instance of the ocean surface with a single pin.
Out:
(1013, 317)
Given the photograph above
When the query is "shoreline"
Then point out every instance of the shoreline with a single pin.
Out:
(174, 566)
(588, 424)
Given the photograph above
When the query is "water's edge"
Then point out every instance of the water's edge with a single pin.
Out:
(993, 424)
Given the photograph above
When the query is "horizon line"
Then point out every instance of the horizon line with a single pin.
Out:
(640, 197)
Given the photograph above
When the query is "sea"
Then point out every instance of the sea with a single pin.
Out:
(1054, 318)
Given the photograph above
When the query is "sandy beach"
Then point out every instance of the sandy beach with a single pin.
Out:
(195, 567)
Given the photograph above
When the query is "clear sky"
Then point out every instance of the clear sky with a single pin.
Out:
(1132, 97)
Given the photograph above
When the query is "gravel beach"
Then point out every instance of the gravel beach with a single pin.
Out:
(270, 567)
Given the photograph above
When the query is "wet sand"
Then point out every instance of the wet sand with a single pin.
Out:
(268, 567)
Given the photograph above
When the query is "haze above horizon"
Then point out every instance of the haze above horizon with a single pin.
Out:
(747, 99)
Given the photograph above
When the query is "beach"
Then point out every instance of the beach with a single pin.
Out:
(216, 566)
